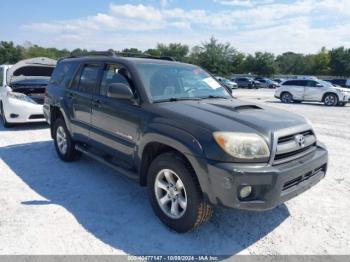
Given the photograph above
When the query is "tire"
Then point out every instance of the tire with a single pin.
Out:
(64, 144)
(286, 97)
(330, 100)
(3, 118)
(188, 216)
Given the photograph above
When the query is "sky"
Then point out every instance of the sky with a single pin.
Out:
(276, 26)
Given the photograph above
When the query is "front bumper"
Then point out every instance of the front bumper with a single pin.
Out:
(17, 111)
(272, 185)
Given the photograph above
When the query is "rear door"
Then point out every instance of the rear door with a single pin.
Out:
(80, 98)
(115, 122)
(313, 91)
(296, 88)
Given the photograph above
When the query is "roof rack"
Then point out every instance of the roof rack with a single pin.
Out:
(122, 54)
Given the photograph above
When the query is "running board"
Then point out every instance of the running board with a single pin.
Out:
(120, 170)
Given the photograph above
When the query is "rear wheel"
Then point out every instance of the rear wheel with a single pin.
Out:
(286, 98)
(175, 194)
(331, 100)
(64, 144)
(3, 117)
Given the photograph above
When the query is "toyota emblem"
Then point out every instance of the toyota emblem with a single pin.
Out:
(300, 140)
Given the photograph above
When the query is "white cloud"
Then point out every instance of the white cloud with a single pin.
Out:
(269, 25)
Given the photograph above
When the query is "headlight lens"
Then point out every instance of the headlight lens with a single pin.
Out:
(20, 96)
(242, 145)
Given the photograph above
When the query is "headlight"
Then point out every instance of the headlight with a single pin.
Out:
(242, 145)
(20, 96)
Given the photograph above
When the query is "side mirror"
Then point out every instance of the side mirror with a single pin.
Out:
(319, 85)
(120, 91)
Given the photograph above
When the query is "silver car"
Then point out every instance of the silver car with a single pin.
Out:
(313, 90)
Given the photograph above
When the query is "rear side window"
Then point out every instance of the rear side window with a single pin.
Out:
(89, 78)
(62, 74)
(295, 83)
(1, 76)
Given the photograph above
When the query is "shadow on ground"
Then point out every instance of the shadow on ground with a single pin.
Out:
(116, 210)
(24, 127)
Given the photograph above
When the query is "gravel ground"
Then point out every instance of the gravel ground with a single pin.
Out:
(51, 207)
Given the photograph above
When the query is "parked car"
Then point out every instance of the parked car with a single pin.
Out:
(267, 83)
(340, 82)
(227, 83)
(173, 128)
(312, 90)
(22, 89)
(279, 80)
(246, 82)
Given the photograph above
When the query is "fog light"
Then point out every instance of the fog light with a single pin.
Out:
(245, 192)
(14, 115)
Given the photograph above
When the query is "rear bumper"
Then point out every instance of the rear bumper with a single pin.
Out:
(272, 185)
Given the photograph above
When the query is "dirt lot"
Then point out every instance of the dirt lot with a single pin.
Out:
(50, 207)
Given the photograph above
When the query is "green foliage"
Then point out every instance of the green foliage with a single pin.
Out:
(218, 58)
(175, 50)
(9, 54)
(262, 64)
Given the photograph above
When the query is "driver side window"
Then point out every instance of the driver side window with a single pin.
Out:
(113, 74)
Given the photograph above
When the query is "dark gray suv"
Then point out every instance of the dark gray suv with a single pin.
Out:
(173, 128)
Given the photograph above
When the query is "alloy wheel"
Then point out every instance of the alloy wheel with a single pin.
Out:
(170, 193)
(61, 139)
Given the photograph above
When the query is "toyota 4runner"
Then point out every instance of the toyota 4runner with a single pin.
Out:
(173, 128)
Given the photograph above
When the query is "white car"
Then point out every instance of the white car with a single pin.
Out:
(298, 90)
(22, 90)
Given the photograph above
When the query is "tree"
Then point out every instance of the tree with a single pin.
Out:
(152, 52)
(175, 50)
(291, 63)
(262, 64)
(340, 61)
(132, 51)
(9, 54)
(216, 57)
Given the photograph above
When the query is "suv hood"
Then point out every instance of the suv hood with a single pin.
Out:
(342, 89)
(35, 68)
(231, 115)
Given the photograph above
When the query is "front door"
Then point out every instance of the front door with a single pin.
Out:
(115, 122)
(313, 91)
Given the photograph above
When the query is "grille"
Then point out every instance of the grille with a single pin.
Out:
(296, 181)
(288, 148)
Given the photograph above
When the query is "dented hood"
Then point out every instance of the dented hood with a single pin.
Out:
(34, 68)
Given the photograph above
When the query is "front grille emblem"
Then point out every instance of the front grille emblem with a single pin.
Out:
(300, 140)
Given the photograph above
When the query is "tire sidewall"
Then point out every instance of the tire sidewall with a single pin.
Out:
(176, 164)
(70, 145)
(286, 101)
(335, 100)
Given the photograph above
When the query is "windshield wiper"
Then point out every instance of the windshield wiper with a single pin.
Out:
(214, 97)
(175, 99)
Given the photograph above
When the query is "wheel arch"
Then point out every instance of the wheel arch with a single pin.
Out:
(329, 93)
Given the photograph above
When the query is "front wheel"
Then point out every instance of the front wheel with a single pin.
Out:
(175, 194)
(331, 100)
(3, 117)
(64, 144)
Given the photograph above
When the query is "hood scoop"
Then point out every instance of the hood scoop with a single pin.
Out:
(240, 108)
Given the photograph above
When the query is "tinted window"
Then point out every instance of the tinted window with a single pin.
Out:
(63, 74)
(311, 83)
(89, 78)
(1, 76)
(112, 74)
(295, 83)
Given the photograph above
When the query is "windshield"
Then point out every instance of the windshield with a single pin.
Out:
(325, 83)
(177, 82)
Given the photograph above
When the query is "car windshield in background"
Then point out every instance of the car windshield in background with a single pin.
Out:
(178, 82)
(325, 83)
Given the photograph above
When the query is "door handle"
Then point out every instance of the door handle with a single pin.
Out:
(70, 96)
(96, 103)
